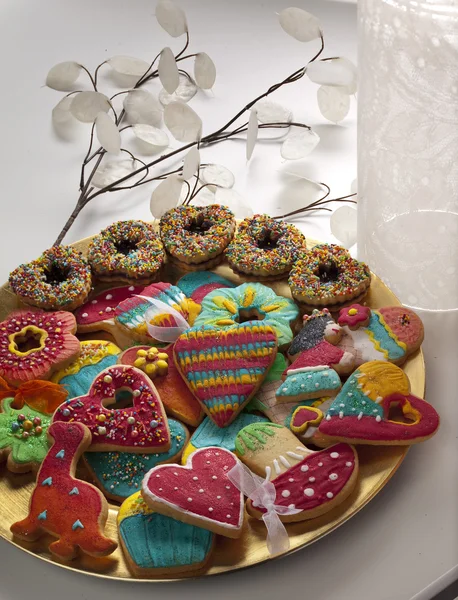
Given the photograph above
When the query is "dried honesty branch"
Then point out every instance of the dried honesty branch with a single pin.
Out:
(107, 133)
(146, 114)
(127, 65)
(204, 71)
(86, 106)
(166, 196)
(63, 75)
(168, 71)
(183, 122)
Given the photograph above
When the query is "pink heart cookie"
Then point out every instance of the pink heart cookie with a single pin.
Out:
(142, 427)
(199, 493)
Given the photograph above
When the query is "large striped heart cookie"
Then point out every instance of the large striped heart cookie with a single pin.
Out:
(225, 367)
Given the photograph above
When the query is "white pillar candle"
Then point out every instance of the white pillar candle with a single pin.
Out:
(408, 148)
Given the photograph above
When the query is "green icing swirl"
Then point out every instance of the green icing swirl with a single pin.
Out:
(254, 436)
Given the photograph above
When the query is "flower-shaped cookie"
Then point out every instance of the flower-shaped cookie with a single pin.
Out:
(354, 316)
(33, 344)
(249, 302)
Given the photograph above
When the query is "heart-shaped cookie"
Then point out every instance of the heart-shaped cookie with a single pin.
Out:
(142, 427)
(225, 367)
(199, 493)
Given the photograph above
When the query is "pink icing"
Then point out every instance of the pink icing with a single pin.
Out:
(317, 479)
(303, 415)
(323, 354)
(149, 430)
(102, 307)
(353, 320)
(405, 324)
(199, 293)
(198, 487)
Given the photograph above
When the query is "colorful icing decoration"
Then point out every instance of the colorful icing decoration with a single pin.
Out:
(130, 315)
(199, 493)
(120, 474)
(33, 344)
(392, 333)
(265, 247)
(157, 545)
(354, 316)
(209, 434)
(97, 314)
(23, 441)
(152, 362)
(225, 308)
(197, 284)
(308, 383)
(197, 236)
(141, 427)
(360, 413)
(328, 275)
(60, 279)
(175, 395)
(77, 377)
(312, 482)
(126, 251)
(225, 367)
(304, 417)
(77, 519)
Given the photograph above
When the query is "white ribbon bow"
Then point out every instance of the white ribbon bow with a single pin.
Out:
(263, 494)
(163, 334)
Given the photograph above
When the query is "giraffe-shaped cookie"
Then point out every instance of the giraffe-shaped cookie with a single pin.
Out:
(70, 509)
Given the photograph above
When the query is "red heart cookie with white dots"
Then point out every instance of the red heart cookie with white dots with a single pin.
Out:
(199, 493)
(142, 427)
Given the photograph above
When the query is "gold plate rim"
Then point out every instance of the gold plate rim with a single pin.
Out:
(257, 551)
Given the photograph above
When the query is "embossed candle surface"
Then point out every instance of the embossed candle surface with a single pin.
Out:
(408, 148)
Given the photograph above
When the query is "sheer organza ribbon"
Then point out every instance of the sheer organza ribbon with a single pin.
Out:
(262, 493)
(164, 334)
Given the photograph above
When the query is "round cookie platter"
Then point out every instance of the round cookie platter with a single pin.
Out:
(377, 465)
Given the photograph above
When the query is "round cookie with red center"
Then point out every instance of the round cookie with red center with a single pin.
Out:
(34, 344)
(128, 251)
(59, 279)
(264, 247)
(328, 276)
(195, 237)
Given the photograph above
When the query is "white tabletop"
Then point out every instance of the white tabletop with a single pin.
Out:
(407, 537)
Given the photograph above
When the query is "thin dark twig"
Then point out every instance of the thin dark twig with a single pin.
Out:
(317, 204)
(94, 85)
(96, 72)
(85, 161)
(189, 190)
(184, 48)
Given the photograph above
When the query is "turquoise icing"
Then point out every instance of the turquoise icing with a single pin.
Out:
(395, 351)
(209, 434)
(121, 473)
(135, 316)
(156, 541)
(351, 401)
(279, 318)
(319, 382)
(190, 282)
(79, 383)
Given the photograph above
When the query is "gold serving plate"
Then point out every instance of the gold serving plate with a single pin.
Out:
(376, 467)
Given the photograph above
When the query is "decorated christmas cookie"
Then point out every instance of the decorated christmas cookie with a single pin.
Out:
(225, 308)
(161, 305)
(225, 367)
(392, 333)
(34, 344)
(67, 508)
(140, 428)
(197, 284)
(23, 441)
(209, 434)
(199, 493)
(97, 314)
(120, 474)
(96, 355)
(360, 414)
(156, 545)
(175, 395)
(311, 482)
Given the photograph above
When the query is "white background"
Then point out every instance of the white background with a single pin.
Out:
(407, 537)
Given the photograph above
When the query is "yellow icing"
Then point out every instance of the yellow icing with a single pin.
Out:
(222, 302)
(313, 422)
(270, 307)
(133, 505)
(381, 379)
(250, 294)
(193, 310)
(189, 449)
(391, 334)
(223, 322)
(24, 331)
(92, 352)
